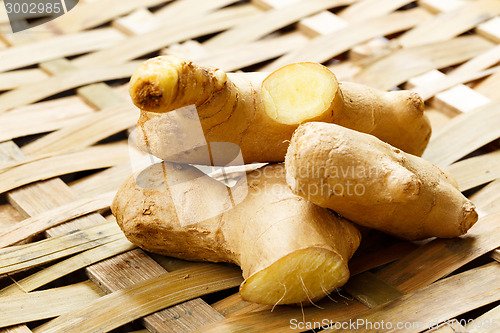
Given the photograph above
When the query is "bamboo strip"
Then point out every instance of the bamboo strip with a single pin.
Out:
(370, 290)
(231, 305)
(489, 87)
(142, 20)
(451, 326)
(57, 66)
(486, 323)
(321, 24)
(42, 117)
(101, 96)
(363, 261)
(457, 99)
(270, 21)
(190, 49)
(170, 263)
(36, 224)
(318, 24)
(487, 199)
(36, 198)
(110, 218)
(439, 6)
(184, 317)
(242, 307)
(235, 57)
(326, 23)
(335, 309)
(45, 304)
(426, 90)
(442, 256)
(325, 47)
(460, 98)
(35, 34)
(490, 29)
(9, 154)
(9, 216)
(14, 79)
(144, 298)
(139, 21)
(16, 329)
(59, 194)
(140, 45)
(495, 254)
(39, 90)
(158, 321)
(367, 9)
(59, 46)
(477, 170)
(94, 13)
(33, 254)
(480, 286)
(479, 63)
(393, 69)
(107, 180)
(358, 12)
(368, 51)
(437, 118)
(4, 18)
(68, 266)
(121, 271)
(232, 58)
(271, 4)
(193, 8)
(87, 131)
(96, 157)
(451, 23)
(468, 132)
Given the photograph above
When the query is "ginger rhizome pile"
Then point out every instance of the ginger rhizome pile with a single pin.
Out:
(290, 250)
(374, 184)
(350, 150)
(259, 112)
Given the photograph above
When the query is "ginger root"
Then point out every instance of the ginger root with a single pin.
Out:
(374, 184)
(290, 250)
(259, 112)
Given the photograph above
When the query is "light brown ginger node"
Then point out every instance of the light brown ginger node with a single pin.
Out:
(260, 111)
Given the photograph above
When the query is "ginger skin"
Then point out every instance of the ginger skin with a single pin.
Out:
(260, 111)
(290, 250)
(397, 193)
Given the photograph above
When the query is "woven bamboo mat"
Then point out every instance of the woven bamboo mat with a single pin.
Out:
(64, 116)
